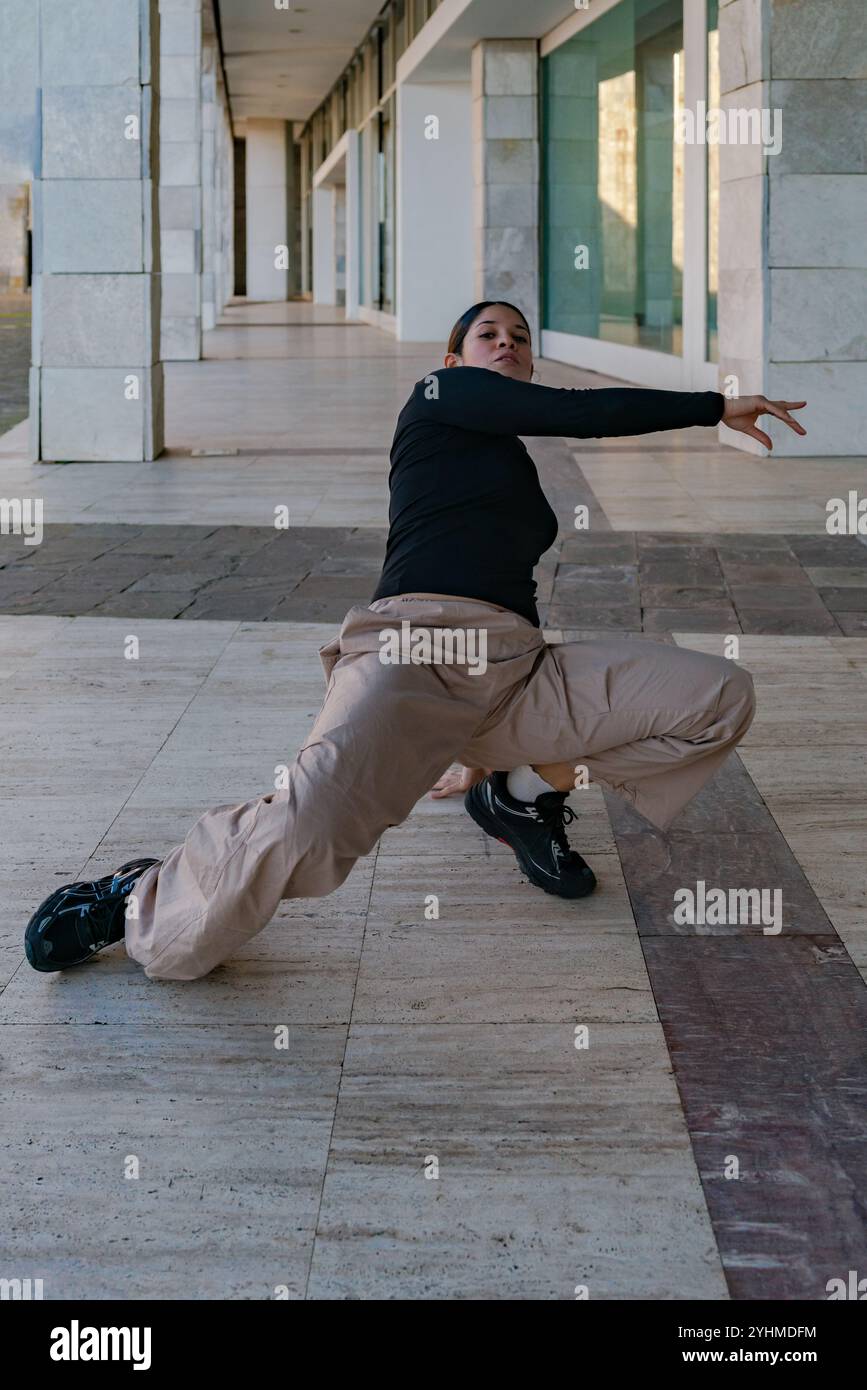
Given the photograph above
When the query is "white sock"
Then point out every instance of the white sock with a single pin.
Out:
(525, 785)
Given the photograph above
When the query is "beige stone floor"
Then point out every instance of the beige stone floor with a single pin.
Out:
(807, 754)
(406, 1037)
(719, 491)
(294, 377)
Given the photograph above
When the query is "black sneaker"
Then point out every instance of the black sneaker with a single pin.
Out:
(536, 831)
(79, 919)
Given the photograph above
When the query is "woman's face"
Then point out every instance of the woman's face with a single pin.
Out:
(498, 339)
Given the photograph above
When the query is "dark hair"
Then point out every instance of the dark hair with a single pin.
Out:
(468, 318)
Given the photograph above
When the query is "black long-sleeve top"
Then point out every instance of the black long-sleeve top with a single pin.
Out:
(467, 514)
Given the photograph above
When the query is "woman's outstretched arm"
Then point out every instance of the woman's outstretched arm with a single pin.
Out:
(475, 398)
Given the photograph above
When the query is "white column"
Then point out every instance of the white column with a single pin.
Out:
(224, 199)
(353, 224)
(324, 246)
(267, 209)
(96, 380)
(210, 181)
(305, 269)
(743, 230)
(434, 233)
(181, 179)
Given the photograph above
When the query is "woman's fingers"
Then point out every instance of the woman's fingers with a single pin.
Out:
(448, 785)
(759, 435)
(451, 782)
(781, 410)
(742, 414)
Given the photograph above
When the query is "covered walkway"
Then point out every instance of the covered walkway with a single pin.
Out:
(366, 1103)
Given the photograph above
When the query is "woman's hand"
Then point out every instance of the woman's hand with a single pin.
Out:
(453, 782)
(741, 413)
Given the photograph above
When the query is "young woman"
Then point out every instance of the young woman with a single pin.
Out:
(468, 522)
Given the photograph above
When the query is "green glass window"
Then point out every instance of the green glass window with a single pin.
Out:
(612, 178)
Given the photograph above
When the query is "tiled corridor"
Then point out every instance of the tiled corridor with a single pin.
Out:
(304, 1157)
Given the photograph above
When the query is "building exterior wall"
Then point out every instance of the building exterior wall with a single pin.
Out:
(180, 178)
(707, 263)
(436, 274)
(727, 263)
(267, 209)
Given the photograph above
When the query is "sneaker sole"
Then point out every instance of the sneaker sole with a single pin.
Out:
(480, 815)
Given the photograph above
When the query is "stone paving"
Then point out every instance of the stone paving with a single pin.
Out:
(602, 581)
(305, 1167)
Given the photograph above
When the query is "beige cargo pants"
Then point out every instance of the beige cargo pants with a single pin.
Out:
(651, 721)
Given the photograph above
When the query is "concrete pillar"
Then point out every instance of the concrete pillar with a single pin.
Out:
(217, 178)
(267, 209)
(224, 200)
(793, 254)
(434, 214)
(324, 245)
(506, 174)
(340, 244)
(181, 178)
(353, 224)
(210, 198)
(96, 380)
(695, 160)
(293, 212)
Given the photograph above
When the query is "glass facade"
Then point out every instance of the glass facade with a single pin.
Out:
(612, 178)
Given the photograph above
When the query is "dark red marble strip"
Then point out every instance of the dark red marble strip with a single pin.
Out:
(768, 1038)
(768, 1041)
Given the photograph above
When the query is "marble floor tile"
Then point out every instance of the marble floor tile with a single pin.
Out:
(225, 1136)
(613, 1192)
(441, 972)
